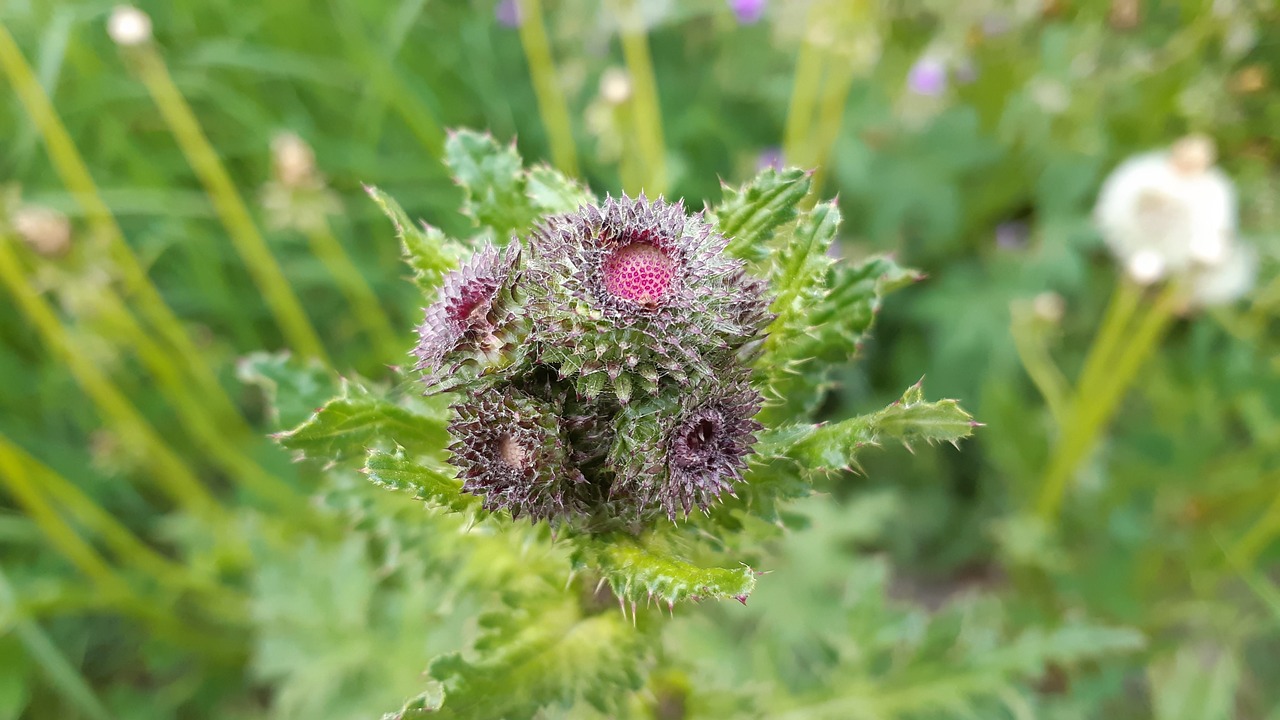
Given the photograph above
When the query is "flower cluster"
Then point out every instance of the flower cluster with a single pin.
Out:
(1172, 213)
(598, 364)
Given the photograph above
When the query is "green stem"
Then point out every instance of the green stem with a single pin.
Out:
(835, 96)
(1038, 363)
(61, 673)
(1094, 406)
(169, 471)
(123, 543)
(804, 95)
(327, 248)
(1263, 532)
(245, 237)
(63, 538)
(551, 101)
(644, 98)
(75, 175)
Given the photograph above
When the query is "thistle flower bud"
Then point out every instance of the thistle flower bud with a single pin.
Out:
(473, 329)
(632, 292)
(511, 449)
(128, 26)
(674, 456)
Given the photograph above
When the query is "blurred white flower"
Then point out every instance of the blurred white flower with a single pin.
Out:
(129, 26)
(1049, 307)
(297, 197)
(1226, 281)
(294, 161)
(1166, 212)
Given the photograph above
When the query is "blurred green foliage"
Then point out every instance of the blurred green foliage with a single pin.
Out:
(922, 586)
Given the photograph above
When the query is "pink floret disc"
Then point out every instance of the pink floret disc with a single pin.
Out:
(639, 272)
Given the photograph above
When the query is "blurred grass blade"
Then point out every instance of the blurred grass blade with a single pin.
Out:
(245, 237)
(75, 175)
(546, 84)
(169, 471)
(61, 673)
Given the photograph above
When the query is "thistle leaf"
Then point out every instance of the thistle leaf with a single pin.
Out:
(552, 192)
(426, 250)
(348, 425)
(835, 446)
(638, 572)
(541, 654)
(493, 182)
(396, 471)
(749, 215)
(292, 388)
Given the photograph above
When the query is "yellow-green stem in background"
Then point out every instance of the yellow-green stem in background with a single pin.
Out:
(245, 237)
(364, 301)
(804, 94)
(1038, 363)
(75, 175)
(644, 99)
(1123, 353)
(551, 101)
(171, 474)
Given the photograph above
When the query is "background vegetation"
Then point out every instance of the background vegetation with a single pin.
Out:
(161, 557)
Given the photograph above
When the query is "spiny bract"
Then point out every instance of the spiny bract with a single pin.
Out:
(599, 364)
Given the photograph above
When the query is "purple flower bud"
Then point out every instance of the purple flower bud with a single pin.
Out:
(748, 12)
(507, 13)
(928, 77)
(1012, 235)
(770, 157)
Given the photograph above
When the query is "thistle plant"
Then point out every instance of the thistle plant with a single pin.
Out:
(625, 382)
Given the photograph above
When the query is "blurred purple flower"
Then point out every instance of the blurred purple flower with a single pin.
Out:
(507, 13)
(1012, 235)
(748, 12)
(769, 158)
(928, 77)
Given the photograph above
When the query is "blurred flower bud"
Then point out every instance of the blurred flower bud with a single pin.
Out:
(928, 77)
(1251, 79)
(294, 161)
(1193, 154)
(1125, 14)
(1049, 307)
(46, 231)
(128, 26)
(615, 86)
(1012, 235)
(748, 12)
(770, 157)
(507, 13)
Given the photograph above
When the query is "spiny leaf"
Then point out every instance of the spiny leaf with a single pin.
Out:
(552, 192)
(348, 425)
(493, 182)
(835, 446)
(549, 654)
(426, 250)
(638, 572)
(292, 388)
(749, 215)
(396, 471)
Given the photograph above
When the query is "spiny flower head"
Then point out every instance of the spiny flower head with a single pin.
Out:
(632, 292)
(673, 456)
(511, 448)
(472, 329)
